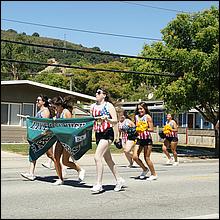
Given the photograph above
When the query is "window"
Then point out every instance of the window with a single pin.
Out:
(9, 113)
(14, 110)
(4, 113)
(28, 109)
(182, 120)
(157, 119)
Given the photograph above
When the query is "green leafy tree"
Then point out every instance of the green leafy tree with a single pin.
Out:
(52, 79)
(88, 81)
(17, 52)
(192, 40)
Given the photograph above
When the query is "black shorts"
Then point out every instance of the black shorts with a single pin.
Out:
(171, 139)
(132, 137)
(132, 134)
(144, 142)
(106, 135)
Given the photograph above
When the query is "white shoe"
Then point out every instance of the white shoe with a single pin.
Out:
(152, 177)
(119, 185)
(176, 163)
(97, 188)
(170, 162)
(58, 182)
(143, 174)
(28, 176)
(81, 174)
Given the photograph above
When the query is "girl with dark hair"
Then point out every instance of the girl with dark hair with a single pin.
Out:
(171, 140)
(104, 128)
(144, 127)
(64, 109)
(44, 112)
(127, 133)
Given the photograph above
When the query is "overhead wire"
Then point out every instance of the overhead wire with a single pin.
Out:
(166, 74)
(85, 31)
(155, 7)
(84, 51)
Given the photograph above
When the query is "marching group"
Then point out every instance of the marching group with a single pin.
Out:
(110, 126)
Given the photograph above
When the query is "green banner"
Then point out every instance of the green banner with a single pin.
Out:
(75, 134)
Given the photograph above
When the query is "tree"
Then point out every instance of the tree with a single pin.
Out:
(13, 51)
(35, 34)
(192, 40)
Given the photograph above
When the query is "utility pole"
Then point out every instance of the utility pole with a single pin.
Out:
(64, 43)
(71, 84)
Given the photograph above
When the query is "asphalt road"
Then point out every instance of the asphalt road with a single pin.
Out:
(190, 190)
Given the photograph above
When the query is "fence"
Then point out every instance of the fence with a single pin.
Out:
(186, 136)
(192, 137)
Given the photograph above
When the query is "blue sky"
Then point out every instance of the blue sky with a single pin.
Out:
(141, 19)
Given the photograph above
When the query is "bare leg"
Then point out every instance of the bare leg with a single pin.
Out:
(68, 163)
(32, 167)
(136, 154)
(111, 164)
(173, 146)
(99, 154)
(57, 154)
(147, 152)
(127, 150)
(164, 148)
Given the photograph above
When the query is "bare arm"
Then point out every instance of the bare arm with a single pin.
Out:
(131, 123)
(175, 126)
(67, 114)
(150, 123)
(46, 113)
(114, 121)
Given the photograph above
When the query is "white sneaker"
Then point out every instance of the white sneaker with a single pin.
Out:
(58, 182)
(170, 162)
(97, 188)
(152, 177)
(176, 163)
(119, 185)
(28, 176)
(143, 174)
(81, 174)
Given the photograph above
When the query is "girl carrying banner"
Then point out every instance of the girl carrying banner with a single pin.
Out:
(106, 131)
(64, 109)
(45, 111)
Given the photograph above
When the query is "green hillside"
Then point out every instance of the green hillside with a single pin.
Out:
(30, 53)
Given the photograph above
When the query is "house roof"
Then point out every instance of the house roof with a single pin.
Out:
(28, 82)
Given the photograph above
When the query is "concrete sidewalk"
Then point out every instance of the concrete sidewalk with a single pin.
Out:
(119, 158)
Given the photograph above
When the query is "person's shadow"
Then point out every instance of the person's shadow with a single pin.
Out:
(73, 183)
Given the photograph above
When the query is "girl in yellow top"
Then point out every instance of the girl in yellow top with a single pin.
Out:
(144, 127)
(171, 140)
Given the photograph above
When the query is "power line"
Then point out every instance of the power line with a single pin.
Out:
(85, 31)
(166, 74)
(149, 6)
(83, 51)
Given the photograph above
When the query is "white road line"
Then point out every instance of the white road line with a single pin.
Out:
(211, 216)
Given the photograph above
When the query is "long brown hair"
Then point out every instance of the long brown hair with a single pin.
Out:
(144, 106)
(47, 104)
(66, 102)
